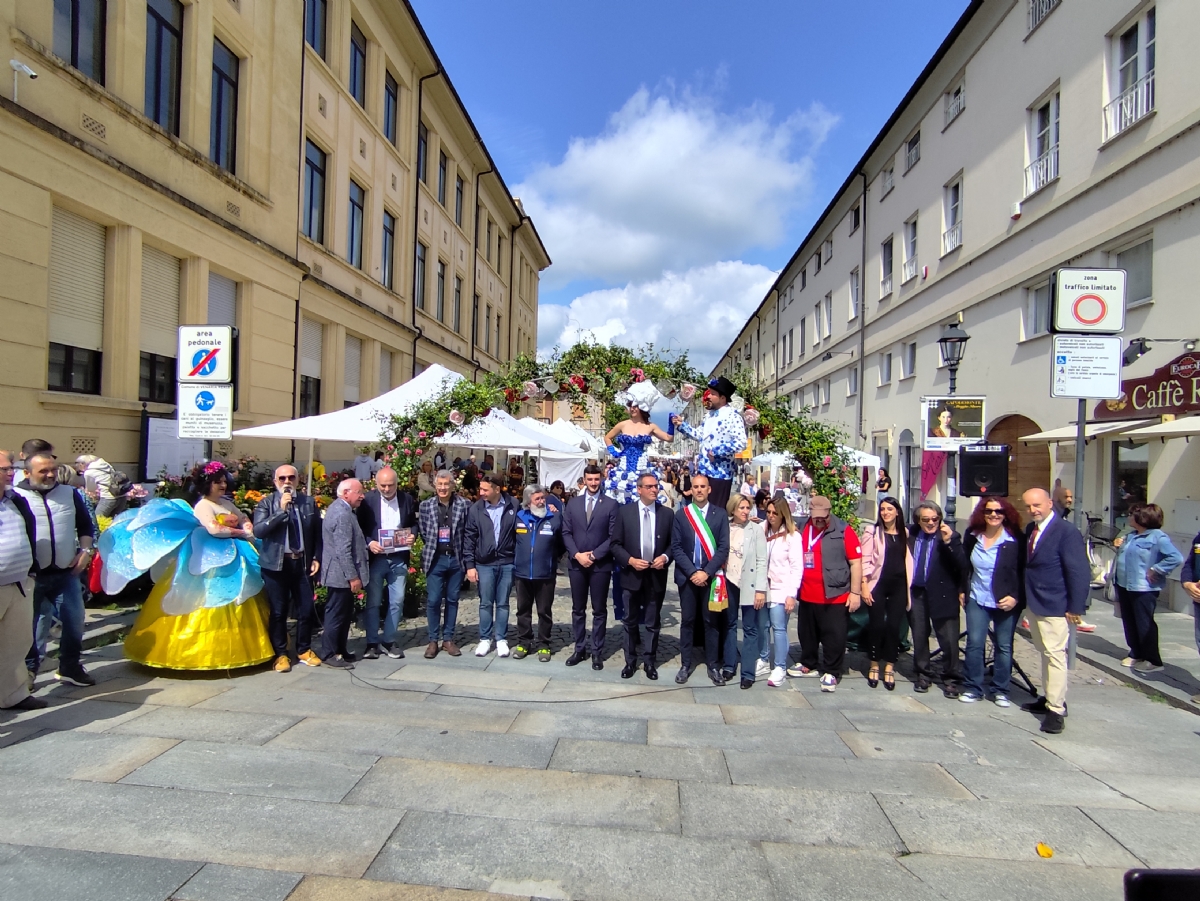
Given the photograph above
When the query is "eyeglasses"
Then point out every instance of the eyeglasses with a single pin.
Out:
(285, 478)
(7, 468)
(929, 519)
(993, 511)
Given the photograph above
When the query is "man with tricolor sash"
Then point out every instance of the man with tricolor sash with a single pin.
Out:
(699, 547)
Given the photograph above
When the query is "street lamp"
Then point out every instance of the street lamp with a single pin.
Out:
(954, 346)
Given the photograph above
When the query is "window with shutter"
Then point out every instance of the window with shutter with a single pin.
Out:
(352, 370)
(76, 281)
(385, 371)
(160, 302)
(311, 337)
(222, 300)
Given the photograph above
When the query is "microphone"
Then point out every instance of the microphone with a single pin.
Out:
(287, 489)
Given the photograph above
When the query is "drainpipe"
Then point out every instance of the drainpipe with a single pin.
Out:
(418, 332)
(862, 315)
(475, 272)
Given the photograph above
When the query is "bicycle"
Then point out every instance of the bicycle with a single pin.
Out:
(1102, 554)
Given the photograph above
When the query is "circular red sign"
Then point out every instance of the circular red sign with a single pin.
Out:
(1079, 317)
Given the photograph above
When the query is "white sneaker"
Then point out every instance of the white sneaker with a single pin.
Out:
(1001, 701)
(968, 697)
(501, 647)
(1130, 661)
(761, 669)
(829, 682)
(777, 677)
(796, 671)
(1145, 666)
(481, 649)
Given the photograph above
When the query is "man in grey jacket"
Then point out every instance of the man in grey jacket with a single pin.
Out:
(346, 568)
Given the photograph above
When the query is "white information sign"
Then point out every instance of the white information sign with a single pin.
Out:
(205, 353)
(205, 411)
(1086, 366)
(1089, 300)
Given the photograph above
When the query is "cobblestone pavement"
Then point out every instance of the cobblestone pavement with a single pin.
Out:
(455, 777)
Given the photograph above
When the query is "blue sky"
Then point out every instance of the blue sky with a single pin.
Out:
(674, 153)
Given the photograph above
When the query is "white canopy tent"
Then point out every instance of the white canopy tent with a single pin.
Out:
(571, 433)
(500, 430)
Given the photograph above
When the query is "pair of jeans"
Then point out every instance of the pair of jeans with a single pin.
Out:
(773, 637)
(57, 594)
(751, 637)
(1141, 631)
(443, 582)
(495, 589)
(978, 620)
(388, 571)
(290, 587)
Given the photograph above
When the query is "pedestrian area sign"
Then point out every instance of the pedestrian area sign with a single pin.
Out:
(205, 411)
(1086, 366)
(205, 353)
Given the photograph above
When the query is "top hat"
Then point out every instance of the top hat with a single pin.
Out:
(723, 386)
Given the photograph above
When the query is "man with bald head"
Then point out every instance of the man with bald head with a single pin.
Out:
(346, 571)
(387, 518)
(288, 525)
(1057, 578)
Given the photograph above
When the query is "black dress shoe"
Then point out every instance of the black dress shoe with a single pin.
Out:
(950, 691)
(371, 652)
(628, 670)
(597, 663)
(1040, 706)
(349, 658)
(922, 685)
(718, 678)
(651, 672)
(577, 658)
(1053, 723)
(682, 676)
(747, 683)
(728, 674)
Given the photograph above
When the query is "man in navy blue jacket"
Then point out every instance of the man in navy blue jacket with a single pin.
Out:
(1057, 578)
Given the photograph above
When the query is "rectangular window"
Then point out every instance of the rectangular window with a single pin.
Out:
(489, 240)
(855, 294)
(222, 300)
(498, 333)
(458, 200)
(826, 392)
(156, 378)
(1043, 145)
(487, 331)
(159, 325)
(827, 315)
(441, 291)
(910, 359)
(352, 371)
(816, 262)
(422, 152)
(314, 25)
(354, 239)
(955, 102)
(73, 369)
(223, 127)
(458, 304)
(314, 192)
(164, 62)
(803, 337)
(790, 345)
(852, 381)
(391, 106)
(887, 181)
(389, 251)
(887, 261)
(1038, 10)
(817, 319)
(475, 322)
(310, 395)
(827, 249)
(855, 219)
(1138, 262)
(385, 371)
(885, 368)
(1132, 76)
(443, 171)
(499, 252)
(910, 249)
(358, 65)
(952, 217)
(312, 339)
(912, 151)
(419, 294)
(76, 302)
(803, 278)
(1037, 310)
(79, 35)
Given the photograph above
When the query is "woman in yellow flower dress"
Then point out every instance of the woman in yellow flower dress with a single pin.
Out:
(206, 610)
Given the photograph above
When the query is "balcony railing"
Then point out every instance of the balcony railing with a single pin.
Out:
(910, 270)
(885, 285)
(912, 155)
(1131, 107)
(1041, 171)
(1039, 9)
(955, 104)
(952, 238)
(889, 182)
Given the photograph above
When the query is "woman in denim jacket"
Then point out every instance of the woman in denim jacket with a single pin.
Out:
(1144, 561)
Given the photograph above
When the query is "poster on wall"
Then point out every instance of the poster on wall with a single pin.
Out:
(948, 423)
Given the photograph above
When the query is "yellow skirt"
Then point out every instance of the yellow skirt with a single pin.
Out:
(211, 638)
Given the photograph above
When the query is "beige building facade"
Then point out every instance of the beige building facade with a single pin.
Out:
(152, 175)
(1042, 135)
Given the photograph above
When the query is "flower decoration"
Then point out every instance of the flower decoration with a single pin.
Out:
(577, 381)
(827, 460)
(213, 466)
(532, 390)
(456, 418)
(638, 374)
(750, 417)
(510, 396)
(687, 392)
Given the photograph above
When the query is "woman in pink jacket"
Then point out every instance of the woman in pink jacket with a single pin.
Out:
(887, 569)
(785, 562)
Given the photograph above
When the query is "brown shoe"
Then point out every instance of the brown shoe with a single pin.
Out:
(431, 650)
(451, 648)
(282, 664)
(309, 658)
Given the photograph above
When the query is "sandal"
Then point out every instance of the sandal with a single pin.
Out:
(873, 676)
(889, 680)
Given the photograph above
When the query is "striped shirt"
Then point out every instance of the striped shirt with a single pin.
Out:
(16, 556)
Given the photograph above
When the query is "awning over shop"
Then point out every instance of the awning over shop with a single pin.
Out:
(1179, 428)
(1090, 431)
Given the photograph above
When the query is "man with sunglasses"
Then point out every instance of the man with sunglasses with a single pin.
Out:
(938, 567)
(289, 526)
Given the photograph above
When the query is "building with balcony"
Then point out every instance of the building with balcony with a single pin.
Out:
(1078, 147)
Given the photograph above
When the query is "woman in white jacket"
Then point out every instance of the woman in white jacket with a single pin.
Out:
(785, 568)
(99, 473)
(746, 576)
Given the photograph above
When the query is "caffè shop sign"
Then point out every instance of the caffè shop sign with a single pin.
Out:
(1171, 389)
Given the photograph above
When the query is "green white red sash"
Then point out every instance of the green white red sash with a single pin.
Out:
(718, 592)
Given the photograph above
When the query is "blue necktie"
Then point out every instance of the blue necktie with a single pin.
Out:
(922, 563)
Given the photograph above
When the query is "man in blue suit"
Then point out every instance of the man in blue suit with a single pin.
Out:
(695, 569)
(1057, 578)
(588, 525)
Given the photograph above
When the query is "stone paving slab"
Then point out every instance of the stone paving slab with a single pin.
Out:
(575, 862)
(837, 774)
(252, 770)
(781, 740)
(331, 888)
(941, 723)
(163, 691)
(761, 695)
(240, 830)
(14, 733)
(296, 702)
(754, 813)
(801, 873)
(621, 758)
(1046, 786)
(1175, 793)
(781, 717)
(544, 796)
(1004, 830)
(1111, 758)
(847, 701)
(373, 737)
(643, 708)
(218, 882)
(496, 749)
(490, 678)
(1162, 840)
(973, 879)
(44, 874)
(568, 725)
(951, 749)
(86, 715)
(95, 757)
(207, 725)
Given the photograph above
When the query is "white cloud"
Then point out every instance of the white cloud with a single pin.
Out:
(672, 183)
(700, 310)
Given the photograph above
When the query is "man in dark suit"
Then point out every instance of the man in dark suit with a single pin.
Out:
(939, 567)
(641, 546)
(588, 525)
(1057, 578)
(289, 526)
(383, 516)
(695, 568)
(346, 571)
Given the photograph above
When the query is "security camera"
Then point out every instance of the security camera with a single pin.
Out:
(18, 66)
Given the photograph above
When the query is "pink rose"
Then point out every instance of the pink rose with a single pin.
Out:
(420, 434)
(750, 417)
(531, 389)
(456, 418)
(687, 392)
(826, 460)
(407, 451)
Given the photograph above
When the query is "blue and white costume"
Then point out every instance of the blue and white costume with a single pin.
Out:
(723, 434)
(632, 460)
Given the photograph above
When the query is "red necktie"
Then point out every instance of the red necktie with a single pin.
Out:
(1033, 537)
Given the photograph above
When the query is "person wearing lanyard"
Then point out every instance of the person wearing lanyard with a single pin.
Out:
(442, 523)
(829, 591)
(489, 549)
(387, 518)
(18, 537)
(938, 567)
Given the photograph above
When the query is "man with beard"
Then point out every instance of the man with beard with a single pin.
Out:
(538, 545)
(722, 436)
